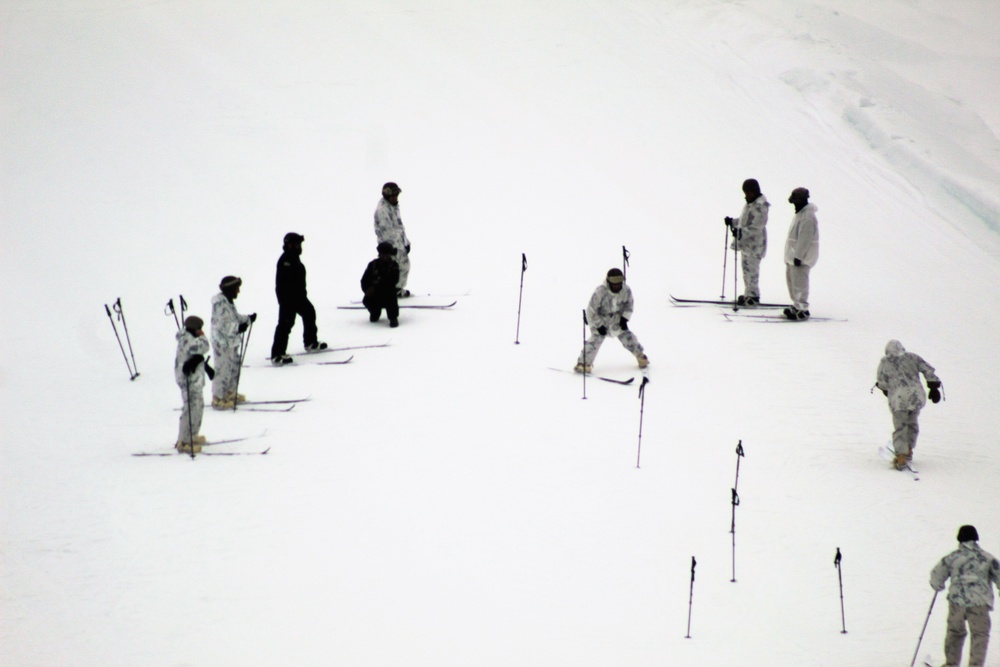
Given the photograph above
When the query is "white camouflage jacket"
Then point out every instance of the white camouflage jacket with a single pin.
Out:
(899, 375)
(189, 345)
(973, 573)
(803, 237)
(607, 308)
(752, 224)
(226, 323)
(389, 225)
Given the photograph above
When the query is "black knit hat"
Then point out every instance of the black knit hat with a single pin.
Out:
(968, 534)
(385, 247)
(615, 276)
(229, 282)
(292, 237)
(192, 323)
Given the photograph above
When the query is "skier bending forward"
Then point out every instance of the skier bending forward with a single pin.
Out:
(608, 313)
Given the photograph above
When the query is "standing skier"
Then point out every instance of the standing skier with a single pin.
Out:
(290, 286)
(608, 313)
(750, 238)
(389, 229)
(379, 285)
(228, 327)
(188, 363)
(898, 376)
(801, 253)
(973, 573)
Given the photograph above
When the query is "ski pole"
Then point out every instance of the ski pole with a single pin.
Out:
(690, 597)
(584, 354)
(912, 662)
(184, 305)
(739, 455)
(737, 235)
(642, 409)
(735, 501)
(169, 310)
(122, 347)
(625, 255)
(840, 580)
(244, 345)
(725, 259)
(520, 293)
(187, 385)
(121, 316)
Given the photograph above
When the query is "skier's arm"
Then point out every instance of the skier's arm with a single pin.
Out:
(939, 575)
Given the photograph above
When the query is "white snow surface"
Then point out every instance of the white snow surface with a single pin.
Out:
(448, 500)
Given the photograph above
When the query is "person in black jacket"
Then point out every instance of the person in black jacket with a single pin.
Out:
(290, 286)
(379, 285)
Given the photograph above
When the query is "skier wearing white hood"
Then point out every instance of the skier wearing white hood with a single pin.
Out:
(801, 253)
(898, 377)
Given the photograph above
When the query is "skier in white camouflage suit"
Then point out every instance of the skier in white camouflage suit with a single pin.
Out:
(801, 253)
(750, 238)
(608, 313)
(389, 229)
(898, 376)
(973, 573)
(192, 349)
(228, 327)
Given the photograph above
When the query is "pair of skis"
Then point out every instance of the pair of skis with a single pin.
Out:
(213, 443)
(756, 317)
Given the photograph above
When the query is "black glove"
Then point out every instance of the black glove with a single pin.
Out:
(729, 221)
(407, 248)
(739, 234)
(623, 323)
(243, 327)
(885, 392)
(798, 262)
(253, 317)
(602, 330)
(935, 391)
(192, 363)
(209, 371)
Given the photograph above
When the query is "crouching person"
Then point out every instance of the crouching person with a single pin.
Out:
(379, 283)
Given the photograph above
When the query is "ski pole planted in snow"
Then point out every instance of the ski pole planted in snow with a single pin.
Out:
(725, 259)
(132, 375)
(739, 455)
(642, 409)
(840, 580)
(690, 597)
(625, 255)
(520, 293)
(187, 385)
(912, 662)
(735, 501)
(121, 316)
(244, 344)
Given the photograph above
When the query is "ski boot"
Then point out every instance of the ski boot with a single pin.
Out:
(281, 360)
(583, 368)
(316, 347)
(222, 403)
(642, 359)
(187, 447)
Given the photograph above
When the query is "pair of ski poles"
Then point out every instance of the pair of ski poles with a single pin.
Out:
(133, 370)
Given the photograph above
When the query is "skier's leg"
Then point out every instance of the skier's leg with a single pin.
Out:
(309, 331)
(286, 320)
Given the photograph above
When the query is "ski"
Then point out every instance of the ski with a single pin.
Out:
(890, 455)
(775, 319)
(423, 306)
(276, 401)
(239, 409)
(596, 377)
(261, 453)
(420, 295)
(211, 443)
(339, 362)
(716, 302)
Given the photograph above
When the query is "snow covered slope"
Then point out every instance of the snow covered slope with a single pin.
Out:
(448, 500)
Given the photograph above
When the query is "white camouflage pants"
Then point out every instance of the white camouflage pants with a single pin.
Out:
(191, 412)
(403, 259)
(797, 278)
(978, 619)
(751, 274)
(593, 344)
(905, 430)
(227, 368)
